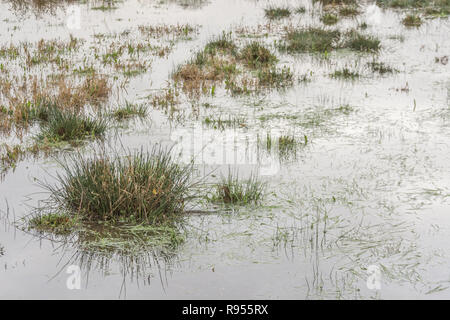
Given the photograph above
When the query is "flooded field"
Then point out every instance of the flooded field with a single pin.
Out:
(224, 149)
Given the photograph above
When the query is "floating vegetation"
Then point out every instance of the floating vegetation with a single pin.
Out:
(236, 191)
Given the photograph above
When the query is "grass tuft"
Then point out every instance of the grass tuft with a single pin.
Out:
(310, 40)
(277, 12)
(255, 55)
(232, 190)
(69, 126)
(128, 111)
(412, 20)
(329, 19)
(345, 73)
(141, 186)
(360, 42)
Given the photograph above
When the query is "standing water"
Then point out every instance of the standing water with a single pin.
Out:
(341, 112)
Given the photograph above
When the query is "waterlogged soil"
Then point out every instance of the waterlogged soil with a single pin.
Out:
(358, 208)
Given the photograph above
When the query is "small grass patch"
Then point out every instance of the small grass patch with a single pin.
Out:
(223, 43)
(335, 2)
(349, 11)
(412, 20)
(70, 126)
(288, 145)
(273, 77)
(359, 42)
(329, 19)
(222, 124)
(255, 55)
(233, 190)
(300, 10)
(310, 40)
(380, 67)
(345, 73)
(277, 12)
(128, 111)
(434, 8)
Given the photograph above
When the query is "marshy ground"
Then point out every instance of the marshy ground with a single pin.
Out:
(225, 149)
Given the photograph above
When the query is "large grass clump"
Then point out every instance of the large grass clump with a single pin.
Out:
(139, 187)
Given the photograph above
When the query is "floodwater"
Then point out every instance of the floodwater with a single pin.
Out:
(370, 190)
